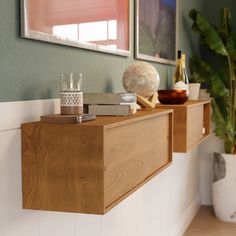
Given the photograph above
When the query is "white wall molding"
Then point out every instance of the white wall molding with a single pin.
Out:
(207, 148)
(187, 218)
(15, 113)
(165, 204)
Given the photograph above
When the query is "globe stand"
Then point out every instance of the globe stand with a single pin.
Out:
(147, 103)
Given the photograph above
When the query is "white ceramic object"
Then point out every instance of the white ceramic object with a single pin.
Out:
(193, 91)
(203, 94)
(224, 187)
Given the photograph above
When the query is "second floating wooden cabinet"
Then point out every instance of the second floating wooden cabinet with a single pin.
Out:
(91, 167)
(191, 123)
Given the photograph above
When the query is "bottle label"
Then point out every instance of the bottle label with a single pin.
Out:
(180, 85)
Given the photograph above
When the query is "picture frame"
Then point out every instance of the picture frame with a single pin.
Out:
(156, 30)
(71, 22)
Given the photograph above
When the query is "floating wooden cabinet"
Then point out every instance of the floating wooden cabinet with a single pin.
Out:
(191, 123)
(91, 167)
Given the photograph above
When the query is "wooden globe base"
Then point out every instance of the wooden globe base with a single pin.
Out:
(148, 103)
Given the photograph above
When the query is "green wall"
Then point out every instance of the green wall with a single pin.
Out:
(213, 14)
(29, 69)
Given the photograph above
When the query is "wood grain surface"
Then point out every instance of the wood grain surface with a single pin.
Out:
(133, 153)
(91, 167)
(206, 224)
(190, 119)
(62, 167)
(194, 126)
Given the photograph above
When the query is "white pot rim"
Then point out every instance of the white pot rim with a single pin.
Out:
(226, 154)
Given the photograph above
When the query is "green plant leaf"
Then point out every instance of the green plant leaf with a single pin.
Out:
(225, 21)
(230, 45)
(208, 32)
(226, 32)
(204, 73)
(218, 118)
(218, 74)
(223, 127)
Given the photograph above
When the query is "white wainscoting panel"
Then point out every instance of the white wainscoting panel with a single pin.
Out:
(211, 145)
(88, 225)
(15, 113)
(13, 220)
(57, 223)
(162, 207)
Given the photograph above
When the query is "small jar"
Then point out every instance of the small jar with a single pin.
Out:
(71, 95)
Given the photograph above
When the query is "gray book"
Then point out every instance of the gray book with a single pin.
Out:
(113, 110)
(109, 98)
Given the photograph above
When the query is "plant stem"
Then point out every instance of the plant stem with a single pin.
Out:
(234, 105)
(233, 97)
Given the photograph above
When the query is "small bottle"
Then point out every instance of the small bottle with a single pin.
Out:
(180, 77)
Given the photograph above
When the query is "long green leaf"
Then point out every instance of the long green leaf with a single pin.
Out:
(203, 72)
(223, 128)
(226, 32)
(218, 118)
(208, 32)
(219, 78)
(225, 21)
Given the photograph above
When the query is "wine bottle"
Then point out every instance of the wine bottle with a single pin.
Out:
(180, 76)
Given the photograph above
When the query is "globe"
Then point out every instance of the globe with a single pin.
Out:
(141, 78)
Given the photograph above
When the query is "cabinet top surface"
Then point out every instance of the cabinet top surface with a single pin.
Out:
(113, 121)
(189, 103)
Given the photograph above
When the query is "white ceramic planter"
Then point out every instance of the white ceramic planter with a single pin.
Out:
(224, 187)
(193, 91)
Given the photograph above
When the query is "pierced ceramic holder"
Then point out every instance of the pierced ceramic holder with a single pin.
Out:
(70, 95)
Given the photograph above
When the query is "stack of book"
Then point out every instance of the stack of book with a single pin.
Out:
(113, 104)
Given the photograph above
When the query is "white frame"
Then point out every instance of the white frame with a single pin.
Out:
(30, 34)
(139, 55)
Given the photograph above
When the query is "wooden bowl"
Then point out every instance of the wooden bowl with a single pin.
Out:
(172, 96)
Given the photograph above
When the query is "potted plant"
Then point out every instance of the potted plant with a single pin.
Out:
(218, 75)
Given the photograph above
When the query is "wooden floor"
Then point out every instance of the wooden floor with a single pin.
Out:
(206, 224)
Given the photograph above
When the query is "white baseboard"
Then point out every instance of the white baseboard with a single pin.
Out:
(187, 218)
(15, 113)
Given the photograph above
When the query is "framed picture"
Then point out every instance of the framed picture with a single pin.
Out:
(156, 30)
(100, 25)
